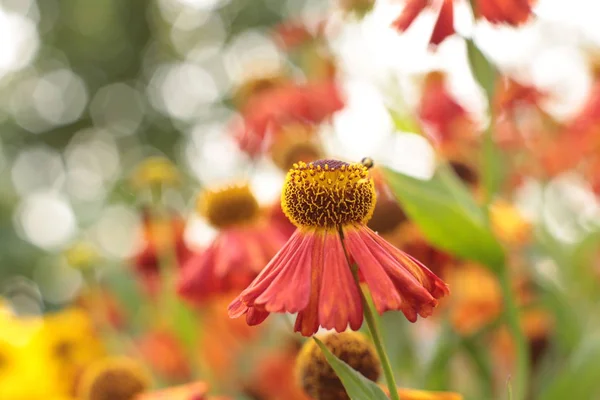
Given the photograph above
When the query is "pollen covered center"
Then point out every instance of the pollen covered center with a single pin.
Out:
(228, 206)
(328, 193)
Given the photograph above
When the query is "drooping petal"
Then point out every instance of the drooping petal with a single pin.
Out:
(383, 291)
(428, 279)
(414, 283)
(284, 284)
(307, 321)
(290, 290)
(340, 302)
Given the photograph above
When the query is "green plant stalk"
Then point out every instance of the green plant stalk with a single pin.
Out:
(378, 342)
(511, 315)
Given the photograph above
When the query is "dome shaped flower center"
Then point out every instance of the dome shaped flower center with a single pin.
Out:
(115, 379)
(227, 206)
(328, 193)
(319, 380)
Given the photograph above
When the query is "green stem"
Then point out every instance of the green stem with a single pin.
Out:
(378, 342)
(511, 314)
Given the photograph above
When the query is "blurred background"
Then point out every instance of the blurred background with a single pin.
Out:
(90, 89)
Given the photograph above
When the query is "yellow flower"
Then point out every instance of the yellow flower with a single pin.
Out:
(410, 394)
(82, 256)
(508, 223)
(69, 342)
(23, 372)
(155, 171)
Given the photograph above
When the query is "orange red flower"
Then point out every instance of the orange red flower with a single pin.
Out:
(244, 244)
(330, 202)
(274, 377)
(444, 24)
(268, 111)
(162, 236)
(511, 12)
(165, 354)
(190, 391)
(445, 121)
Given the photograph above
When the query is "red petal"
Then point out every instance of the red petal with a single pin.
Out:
(428, 279)
(340, 302)
(289, 291)
(307, 321)
(410, 12)
(385, 295)
(197, 278)
(444, 25)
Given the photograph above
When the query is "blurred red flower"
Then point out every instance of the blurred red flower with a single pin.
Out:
(162, 236)
(511, 12)
(445, 121)
(247, 239)
(270, 110)
(444, 24)
(165, 354)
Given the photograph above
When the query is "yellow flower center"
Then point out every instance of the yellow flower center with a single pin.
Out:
(227, 206)
(155, 171)
(328, 193)
(319, 380)
(114, 379)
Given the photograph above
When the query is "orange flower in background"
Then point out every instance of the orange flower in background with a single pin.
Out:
(268, 111)
(477, 298)
(190, 391)
(328, 200)
(444, 24)
(579, 144)
(223, 340)
(102, 305)
(411, 394)
(291, 34)
(445, 121)
(531, 135)
(508, 224)
(162, 236)
(511, 12)
(164, 353)
(273, 377)
(245, 243)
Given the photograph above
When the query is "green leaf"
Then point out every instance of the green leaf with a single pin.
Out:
(447, 215)
(404, 122)
(483, 71)
(357, 386)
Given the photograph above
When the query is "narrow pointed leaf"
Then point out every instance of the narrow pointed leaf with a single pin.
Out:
(357, 386)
